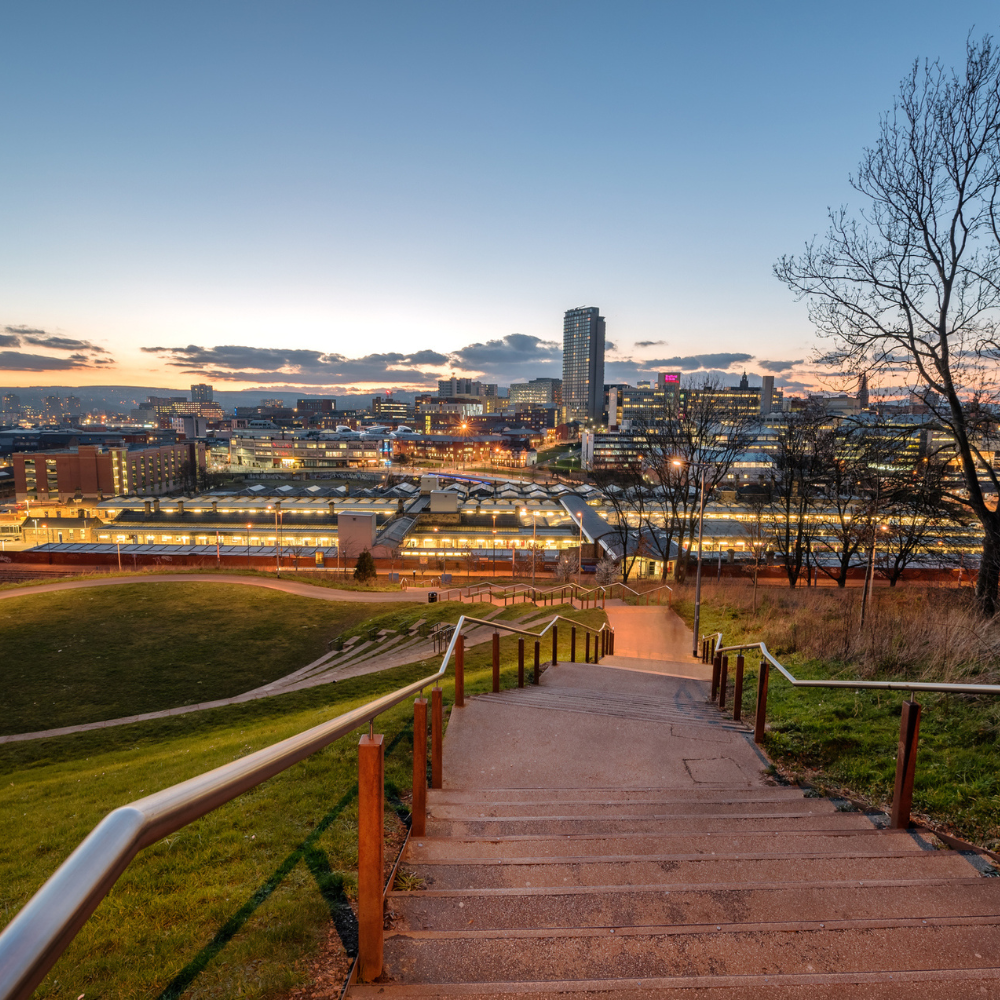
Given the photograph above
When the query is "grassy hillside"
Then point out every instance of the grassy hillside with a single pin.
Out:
(235, 903)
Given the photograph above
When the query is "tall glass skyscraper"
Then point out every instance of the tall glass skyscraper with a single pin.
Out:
(583, 364)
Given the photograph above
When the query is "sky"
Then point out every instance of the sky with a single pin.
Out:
(361, 196)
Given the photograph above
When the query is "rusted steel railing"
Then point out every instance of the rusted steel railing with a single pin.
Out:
(714, 652)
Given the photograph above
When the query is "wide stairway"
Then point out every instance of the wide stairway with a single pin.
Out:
(609, 832)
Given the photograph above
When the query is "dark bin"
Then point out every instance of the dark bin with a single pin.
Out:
(432, 597)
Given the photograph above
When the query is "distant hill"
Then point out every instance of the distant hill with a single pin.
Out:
(125, 397)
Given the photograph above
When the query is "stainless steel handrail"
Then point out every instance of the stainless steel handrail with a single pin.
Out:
(858, 684)
(33, 941)
(579, 591)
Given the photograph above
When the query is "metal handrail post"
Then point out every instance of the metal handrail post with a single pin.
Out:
(697, 585)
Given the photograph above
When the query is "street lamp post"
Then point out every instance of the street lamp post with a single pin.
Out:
(579, 565)
(697, 579)
(701, 532)
(277, 537)
(534, 534)
(494, 545)
(249, 526)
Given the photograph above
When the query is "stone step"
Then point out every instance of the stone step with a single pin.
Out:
(556, 702)
(520, 909)
(455, 796)
(794, 842)
(666, 869)
(793, 947)
(937, 984)
(655, 809)
(734, 821)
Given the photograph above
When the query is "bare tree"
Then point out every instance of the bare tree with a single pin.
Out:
(701, 432)
(799, 460)
(759, 533)
(626, 494)
(912, 284)
(918, 511)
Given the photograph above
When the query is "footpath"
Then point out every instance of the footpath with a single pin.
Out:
(610, 832)
(414, 595)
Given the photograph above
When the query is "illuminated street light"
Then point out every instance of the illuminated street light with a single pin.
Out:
(534, 529)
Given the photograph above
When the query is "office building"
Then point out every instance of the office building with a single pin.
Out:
(460, 387)
(201, 393)
(537, 392)
(389, 408)
(11, 409)
(766, 395)
(583, 364)
(314, 407)
(92, 471)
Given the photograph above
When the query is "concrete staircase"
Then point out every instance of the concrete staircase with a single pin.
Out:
(578, 849)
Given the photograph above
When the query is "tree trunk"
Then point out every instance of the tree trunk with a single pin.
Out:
(989, 568)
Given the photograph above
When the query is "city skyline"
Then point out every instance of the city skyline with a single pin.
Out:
(187, 189)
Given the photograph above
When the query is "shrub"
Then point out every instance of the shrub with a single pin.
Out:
(606, 572)
(364, 571)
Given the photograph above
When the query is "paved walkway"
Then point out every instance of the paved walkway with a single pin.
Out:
(654, 640)
(415, 595)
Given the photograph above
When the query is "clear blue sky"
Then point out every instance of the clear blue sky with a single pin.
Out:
(374, 180)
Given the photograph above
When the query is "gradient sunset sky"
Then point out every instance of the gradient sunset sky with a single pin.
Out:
(363, 195)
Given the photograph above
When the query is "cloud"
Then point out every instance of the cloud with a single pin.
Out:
(17, 336)
(16, 361)
(695, 361)
(610, 345)
(64, 344)
(499, 357)
(232, 363)
(25, 331)
(650, 343)
(777, 366)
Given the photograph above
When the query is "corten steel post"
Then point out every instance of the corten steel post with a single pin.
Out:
(738, 690)
(418, 814)
(535, 677)
(555, 645)
(520, 663)
(697, 579)
(437, 719)
(723, 681)
(572, 645)
(761, 717)
(716, 667)
(496, 662)
(371, 854)
(906, 764)
(460, 672)
(586, 658)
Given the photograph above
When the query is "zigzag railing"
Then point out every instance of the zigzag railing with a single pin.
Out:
(576, 592)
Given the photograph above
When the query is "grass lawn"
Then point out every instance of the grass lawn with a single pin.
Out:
(333, 580)
(86, 655)
(848, 738)
(235, 903)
